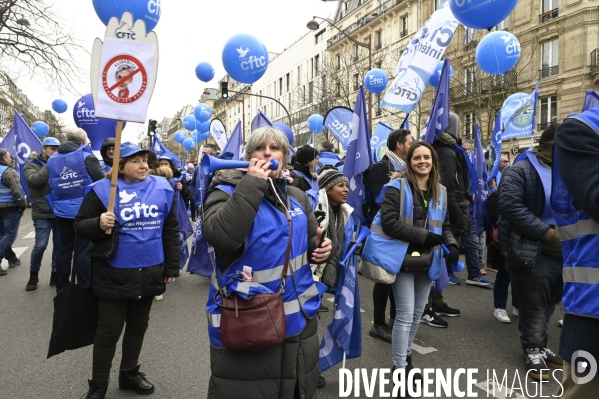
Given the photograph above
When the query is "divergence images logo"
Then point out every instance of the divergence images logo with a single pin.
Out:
(250, 62)
(68, 174)
(124, 32)
(83, 111)
(583, 361)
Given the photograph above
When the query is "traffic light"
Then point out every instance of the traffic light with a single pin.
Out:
(152, 125)
(224, 89)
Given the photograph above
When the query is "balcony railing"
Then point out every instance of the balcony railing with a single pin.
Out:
(551, 71)
(484, 87)
(365, 20)
(404, 33)
(594, 59)
(549, 15)
(470, 46)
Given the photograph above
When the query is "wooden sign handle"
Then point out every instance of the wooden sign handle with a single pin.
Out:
(115, 165)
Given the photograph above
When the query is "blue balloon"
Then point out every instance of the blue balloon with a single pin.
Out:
(180, 136)
(189, 122)
(204, 72)
(498, 52)
(195, 134)
(285, 129)
(59, 106)
(40, 128)
(97, 129)
(435, 77)
(316, 123)
(245, 58)
(203, 136)
(202, 112)
(481, 14)
(148, 10)
(376, 80)
(204, 127)
(189, 144)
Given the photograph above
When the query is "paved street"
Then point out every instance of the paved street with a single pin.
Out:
(175, 355)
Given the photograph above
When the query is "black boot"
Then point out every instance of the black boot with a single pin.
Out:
(134, 380)
(53, 279)
(32, 283)
(97, 389)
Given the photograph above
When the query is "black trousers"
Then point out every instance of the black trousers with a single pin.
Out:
(113, 315)
(380, 293)
(69, 243)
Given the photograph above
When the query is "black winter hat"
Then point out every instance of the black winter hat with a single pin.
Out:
(305, 154)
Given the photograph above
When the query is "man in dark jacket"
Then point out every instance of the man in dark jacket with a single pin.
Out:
(379, 174)
(43, 217)
(577, 149)
(11, 209)
(304, 169)
(68, 171)
(107, 153)
(530, 245)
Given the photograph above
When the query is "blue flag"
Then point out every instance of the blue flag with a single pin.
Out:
(438, 119)
(160, 149)
(591, 100)
(202, 259)
(378, 141)
(339, 122)
(185, 229)
(358, 156)
(260, 120)
(19, 142)
(310, 140)
(344, 332)
(518, 116)
(495, 152)
(235, 144)
(481, 185)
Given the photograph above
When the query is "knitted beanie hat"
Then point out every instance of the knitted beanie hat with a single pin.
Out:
(330, 177)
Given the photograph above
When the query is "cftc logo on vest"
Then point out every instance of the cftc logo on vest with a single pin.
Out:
(138, 209)
(296, 212)
(68, 173)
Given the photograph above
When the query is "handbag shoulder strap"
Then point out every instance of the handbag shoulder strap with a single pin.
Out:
(288, 250)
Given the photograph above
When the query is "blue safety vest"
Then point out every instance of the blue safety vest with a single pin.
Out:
(312, 193)
(388, 253)
(68, 179)
(141, 209)
(579, 235)
(5, 193)
(265, 252)
(329, 158)
(105, 167)
(545, 175)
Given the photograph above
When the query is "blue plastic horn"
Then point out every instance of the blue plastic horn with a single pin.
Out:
(456, 267)
(212, 164)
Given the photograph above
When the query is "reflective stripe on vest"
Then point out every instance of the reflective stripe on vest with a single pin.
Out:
(5, 193)
(579, 235)
(301, 297)
(68, 179)
(141, 209)
(389, 253)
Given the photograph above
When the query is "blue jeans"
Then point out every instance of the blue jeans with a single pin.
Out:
(470, 244)
(410, 291)
(538, 293)
(43, 228)
(9, 227)
(500, 289)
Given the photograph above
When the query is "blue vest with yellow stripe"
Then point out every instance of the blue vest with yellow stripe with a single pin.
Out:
(388, 253)
(579, 235)
(265, 252)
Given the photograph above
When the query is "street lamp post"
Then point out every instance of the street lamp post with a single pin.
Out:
(313, 25)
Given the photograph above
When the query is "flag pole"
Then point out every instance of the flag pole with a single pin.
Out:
(343, 365)
(115, 169)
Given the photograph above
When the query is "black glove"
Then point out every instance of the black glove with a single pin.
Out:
(432, 239)
(320, 216)
(454, 254)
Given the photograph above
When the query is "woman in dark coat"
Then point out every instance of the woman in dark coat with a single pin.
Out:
(126, 281)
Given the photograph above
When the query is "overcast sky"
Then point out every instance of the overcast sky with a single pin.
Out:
(189, 32)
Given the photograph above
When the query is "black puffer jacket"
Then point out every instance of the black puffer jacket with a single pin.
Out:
(298, 180)
(38, 187)
(521, 205)
(111, 283)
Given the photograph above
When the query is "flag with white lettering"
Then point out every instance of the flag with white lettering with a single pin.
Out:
(218, 132)
(495, 151)
(519, 115)
(358, 155)
(438, 119)
(481, 185)
(378, 141)
(19, 142)
(201, 261)
(420, 60)
(185, 229)
(160, 149)
(235, 144)
(339, 121)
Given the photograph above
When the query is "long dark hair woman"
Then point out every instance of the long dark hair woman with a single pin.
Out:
(249, 218)
(125, 281)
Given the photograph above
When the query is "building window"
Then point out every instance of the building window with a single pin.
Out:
(319, 37)
(356, 81)
(548, 111)
(287, 82)
(549, 10)
(356, 52)
(310, 92)
(437, 4)
(324, 85)
(338, 56)
(469, 126)
(316, 64)
(280, 86)
(338, 89)
(404, 26)
(469, 79)
(503, 25)
(311, 68)
(378, 40)
(470, 41)
(299, 75)
(549, 58)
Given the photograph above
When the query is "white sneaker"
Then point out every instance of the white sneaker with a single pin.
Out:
(515, 311)
(158, 297)
(501, 315)
(560, 323)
